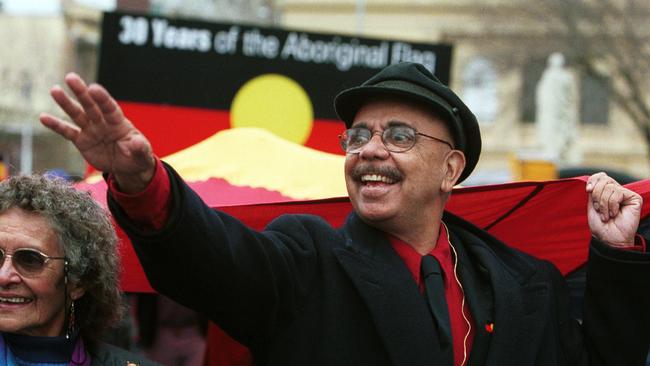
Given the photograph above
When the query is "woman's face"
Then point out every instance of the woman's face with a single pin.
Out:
(30, 304)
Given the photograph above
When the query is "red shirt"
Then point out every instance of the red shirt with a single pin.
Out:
(462, 323)
(149, 208)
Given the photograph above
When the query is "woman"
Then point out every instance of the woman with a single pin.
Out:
(58, 276)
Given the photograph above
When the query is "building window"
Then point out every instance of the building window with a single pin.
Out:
(532, 72)
(594, 94)
(480, 89)
(594, 99)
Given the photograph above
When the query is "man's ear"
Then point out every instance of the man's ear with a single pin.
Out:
(454, 165)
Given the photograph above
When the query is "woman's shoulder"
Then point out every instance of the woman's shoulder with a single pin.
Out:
(109, 355)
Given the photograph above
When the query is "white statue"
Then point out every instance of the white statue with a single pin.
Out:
(557, 113)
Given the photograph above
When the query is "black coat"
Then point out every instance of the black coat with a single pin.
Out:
(304, 293)
(108, 355)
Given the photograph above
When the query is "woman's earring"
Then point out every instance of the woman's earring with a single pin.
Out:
(71, 319)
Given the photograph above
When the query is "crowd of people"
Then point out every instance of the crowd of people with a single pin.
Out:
(402, 282)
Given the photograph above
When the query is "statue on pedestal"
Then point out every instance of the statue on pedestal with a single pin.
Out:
(557, 113)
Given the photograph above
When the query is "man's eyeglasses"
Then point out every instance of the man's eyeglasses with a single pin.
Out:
(395, 138)
(28, 262)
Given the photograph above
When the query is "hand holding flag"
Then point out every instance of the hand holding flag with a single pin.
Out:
(613, 211)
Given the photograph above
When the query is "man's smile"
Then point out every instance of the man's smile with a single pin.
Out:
(369, 174)
(366, 178)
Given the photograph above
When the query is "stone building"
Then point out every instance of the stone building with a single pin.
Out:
(32, 58)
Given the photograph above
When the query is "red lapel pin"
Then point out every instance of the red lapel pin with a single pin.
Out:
(489, 327)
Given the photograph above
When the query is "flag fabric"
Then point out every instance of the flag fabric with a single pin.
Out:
(545, 219)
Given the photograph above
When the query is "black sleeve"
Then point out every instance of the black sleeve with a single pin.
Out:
(615, 328)
(617, 306)
(243, 280)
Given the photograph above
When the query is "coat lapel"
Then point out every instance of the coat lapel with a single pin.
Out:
(478, 294)
(500, 288)
(518, 323)
(387, 287)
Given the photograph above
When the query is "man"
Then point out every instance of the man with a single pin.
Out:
(304, 293)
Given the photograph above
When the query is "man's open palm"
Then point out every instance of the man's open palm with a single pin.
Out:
(102, 134)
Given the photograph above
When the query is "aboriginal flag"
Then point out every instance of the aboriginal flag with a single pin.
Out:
(181, 81)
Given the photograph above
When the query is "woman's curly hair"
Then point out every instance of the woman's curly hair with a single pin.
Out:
(88, 239)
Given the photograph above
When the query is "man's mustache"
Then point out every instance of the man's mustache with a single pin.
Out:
(386, 171)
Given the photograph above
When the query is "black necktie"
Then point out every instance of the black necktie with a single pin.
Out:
(434, 290)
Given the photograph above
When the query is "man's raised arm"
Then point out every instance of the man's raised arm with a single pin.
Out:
(104, 136)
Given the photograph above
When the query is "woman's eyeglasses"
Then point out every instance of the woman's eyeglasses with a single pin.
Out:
(28, 262)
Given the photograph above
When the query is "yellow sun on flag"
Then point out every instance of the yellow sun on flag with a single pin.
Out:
(276, 103)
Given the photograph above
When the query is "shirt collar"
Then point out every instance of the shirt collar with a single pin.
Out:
(413, 259)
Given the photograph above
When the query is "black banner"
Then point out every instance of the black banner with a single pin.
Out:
(200, 64)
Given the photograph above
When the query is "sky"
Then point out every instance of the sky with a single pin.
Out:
(48, 7)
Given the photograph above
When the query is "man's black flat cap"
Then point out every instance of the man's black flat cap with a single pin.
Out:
(414, 82)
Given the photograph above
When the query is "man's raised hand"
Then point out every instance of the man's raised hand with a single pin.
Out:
(102, 134)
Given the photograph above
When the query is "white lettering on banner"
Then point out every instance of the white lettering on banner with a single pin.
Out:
(180, 38)
(344, 55)
(404, 52)
(225, 42)
(256, 44)
(134, 30)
